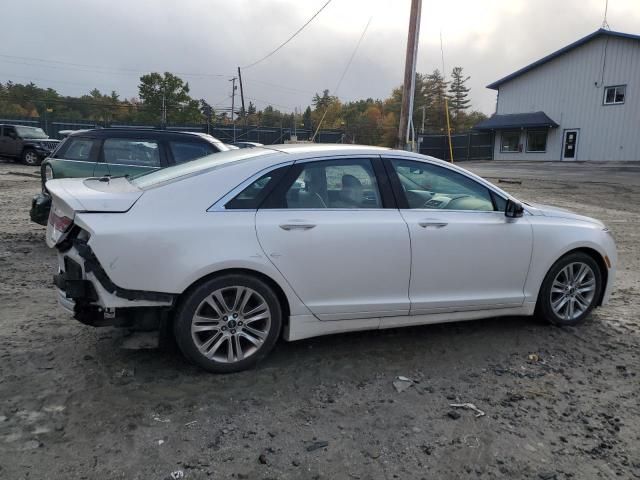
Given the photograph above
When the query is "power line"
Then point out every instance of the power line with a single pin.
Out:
(288, 39)
(282, 87)
(47, 80)
(605, 23)
(83, 102)
(335, 91)
(41, 62)
(267, 102)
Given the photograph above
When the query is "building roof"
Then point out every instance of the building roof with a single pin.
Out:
(562, 51)
(517, 120)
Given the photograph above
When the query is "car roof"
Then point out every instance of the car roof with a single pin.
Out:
(137, 132)
(322, 149)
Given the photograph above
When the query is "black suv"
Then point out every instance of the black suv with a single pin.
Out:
(29, 144)
(117, 152)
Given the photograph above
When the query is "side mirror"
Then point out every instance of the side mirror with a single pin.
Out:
(513, 209)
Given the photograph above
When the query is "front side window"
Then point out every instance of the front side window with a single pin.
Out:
(329, 184)
(125, 151)
(615, 95)
(77, 149)
(9, 132)
(510, 141)
(187, 151)
(537, 141)
(427, 186)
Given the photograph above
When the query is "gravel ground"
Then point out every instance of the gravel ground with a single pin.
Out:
(560, 403)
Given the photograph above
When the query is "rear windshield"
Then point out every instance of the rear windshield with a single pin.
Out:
(210, 162)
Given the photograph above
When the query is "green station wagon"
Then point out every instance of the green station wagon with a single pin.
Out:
(118, 152)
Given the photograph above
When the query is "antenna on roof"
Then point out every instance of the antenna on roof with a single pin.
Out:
(605, 24)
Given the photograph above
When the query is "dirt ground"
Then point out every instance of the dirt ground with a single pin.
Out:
(560, 403)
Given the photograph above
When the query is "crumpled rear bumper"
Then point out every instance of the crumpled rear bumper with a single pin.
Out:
(85, 289)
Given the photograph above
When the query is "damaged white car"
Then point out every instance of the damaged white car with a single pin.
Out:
(241, 248)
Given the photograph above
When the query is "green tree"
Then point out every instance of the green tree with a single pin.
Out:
(306, 119)
(459, 95)
(328, 109)
(168, 92)
(321, 102)
(435, 93)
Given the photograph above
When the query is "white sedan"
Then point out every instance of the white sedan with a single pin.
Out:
(235, 250)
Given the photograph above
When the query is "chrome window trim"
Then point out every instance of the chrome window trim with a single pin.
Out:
(60, 159)
(220, 205)
(101, 163)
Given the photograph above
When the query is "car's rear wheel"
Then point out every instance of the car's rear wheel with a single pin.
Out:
(228, 324)
(30, 157)
(570, 289)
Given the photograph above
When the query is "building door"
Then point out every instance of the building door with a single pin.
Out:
(570, 145)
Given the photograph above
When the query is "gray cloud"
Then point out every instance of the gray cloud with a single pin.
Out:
(197, 36)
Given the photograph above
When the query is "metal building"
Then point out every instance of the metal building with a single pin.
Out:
(579, 103)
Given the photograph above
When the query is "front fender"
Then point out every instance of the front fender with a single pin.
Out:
(555, 237)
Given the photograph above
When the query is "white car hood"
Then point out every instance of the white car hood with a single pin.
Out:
(551, 211)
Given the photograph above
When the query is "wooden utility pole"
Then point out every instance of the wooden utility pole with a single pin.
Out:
(244, 112)
(233, 105)
(406, 110)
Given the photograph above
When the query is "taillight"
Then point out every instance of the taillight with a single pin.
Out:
(60, 222)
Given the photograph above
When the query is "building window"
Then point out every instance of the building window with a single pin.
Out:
(510, 141)
(537, 141)
(615, 95)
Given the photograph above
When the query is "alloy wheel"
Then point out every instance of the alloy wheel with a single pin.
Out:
(30, 158)
(231, 324)
(573, 290)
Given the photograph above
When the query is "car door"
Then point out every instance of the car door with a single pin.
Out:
(466, 255)
(9, 142)
(129, 156)
(76, 158)
(327, 227)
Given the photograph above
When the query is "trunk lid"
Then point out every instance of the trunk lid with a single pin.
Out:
(94, 194)
(71, 195)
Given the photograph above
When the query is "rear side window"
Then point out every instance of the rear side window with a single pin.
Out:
(76, 149)
(252, 196)
(128, 151)
(187, 151)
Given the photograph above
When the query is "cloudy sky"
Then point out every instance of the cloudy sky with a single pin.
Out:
(76, 45)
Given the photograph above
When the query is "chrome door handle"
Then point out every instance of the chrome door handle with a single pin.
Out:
(297, 226)
(427, 224)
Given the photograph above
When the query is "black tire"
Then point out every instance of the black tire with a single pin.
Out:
(194, 299)
(544, 307)
(30, 157)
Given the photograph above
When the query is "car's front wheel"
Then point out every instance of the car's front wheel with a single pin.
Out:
(30, 157)
(228, 324)
(570, 290)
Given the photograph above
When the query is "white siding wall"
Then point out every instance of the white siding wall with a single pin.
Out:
(565, 89)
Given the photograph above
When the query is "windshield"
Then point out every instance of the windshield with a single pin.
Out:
(209, 162)
(30, 132)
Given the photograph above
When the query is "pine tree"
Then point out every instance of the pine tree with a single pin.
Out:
(459, 95)
(306, 118)
(435, 92)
